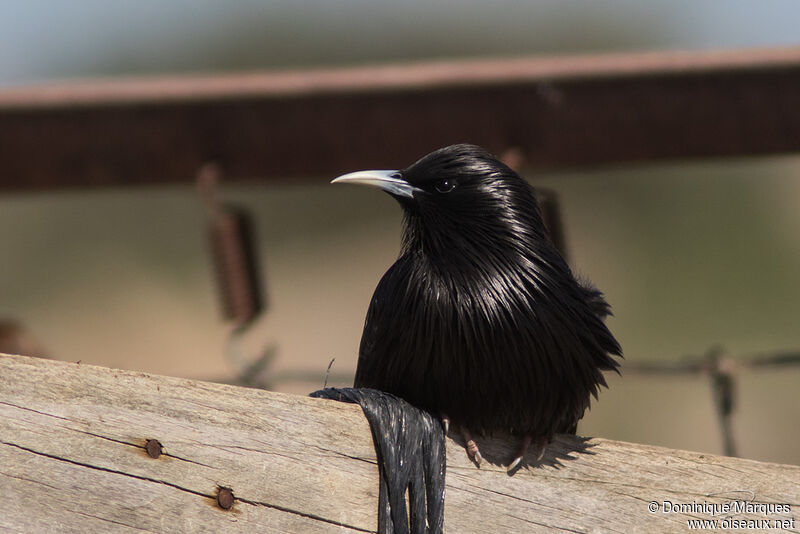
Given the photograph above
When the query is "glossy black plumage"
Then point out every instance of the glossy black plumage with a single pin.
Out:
(480, 318)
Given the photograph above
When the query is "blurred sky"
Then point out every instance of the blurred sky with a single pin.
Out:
(41, 40)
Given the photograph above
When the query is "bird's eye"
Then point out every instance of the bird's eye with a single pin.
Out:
(445, 186)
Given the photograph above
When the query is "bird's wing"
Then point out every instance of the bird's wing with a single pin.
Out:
(375, 363)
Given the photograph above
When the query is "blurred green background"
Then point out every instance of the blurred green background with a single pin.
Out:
(691, 254)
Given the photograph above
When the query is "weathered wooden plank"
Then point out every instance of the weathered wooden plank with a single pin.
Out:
(553, 111)
(72, 459)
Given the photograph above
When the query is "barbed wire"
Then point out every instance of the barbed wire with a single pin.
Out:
(721, 370)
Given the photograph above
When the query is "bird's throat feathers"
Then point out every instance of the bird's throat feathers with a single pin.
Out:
(482, 245)
(489, 230)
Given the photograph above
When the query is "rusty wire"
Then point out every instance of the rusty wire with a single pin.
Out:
(721, 370)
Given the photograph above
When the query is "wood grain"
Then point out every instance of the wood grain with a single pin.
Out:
(72, 459)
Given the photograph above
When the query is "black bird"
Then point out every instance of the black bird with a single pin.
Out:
(480, 319)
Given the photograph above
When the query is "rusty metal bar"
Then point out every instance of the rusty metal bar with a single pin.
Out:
(568, 111)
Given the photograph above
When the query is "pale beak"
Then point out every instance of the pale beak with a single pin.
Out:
(390, 181)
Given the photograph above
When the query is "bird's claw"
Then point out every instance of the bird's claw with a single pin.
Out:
(472, 448)
(474, 453)
(538, 447)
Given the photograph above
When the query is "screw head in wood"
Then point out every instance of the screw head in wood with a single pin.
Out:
(225, 498)
(153, 448)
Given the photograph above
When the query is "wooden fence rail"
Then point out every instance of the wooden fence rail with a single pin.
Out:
(74, 458)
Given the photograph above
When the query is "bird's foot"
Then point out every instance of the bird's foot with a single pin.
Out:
(523, 448)
(472, 448)
(538, 447)
(445, 423)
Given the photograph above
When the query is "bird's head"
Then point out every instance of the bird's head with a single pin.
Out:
(459, 196)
